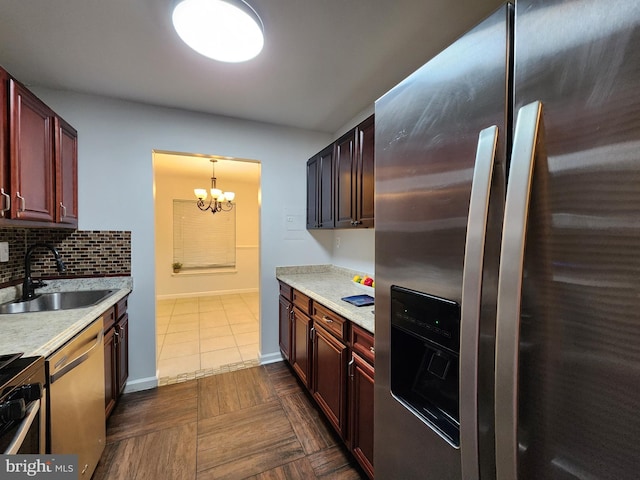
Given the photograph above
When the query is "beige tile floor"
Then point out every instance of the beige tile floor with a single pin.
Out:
(199, 335)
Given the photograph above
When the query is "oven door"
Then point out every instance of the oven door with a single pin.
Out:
(24, 436)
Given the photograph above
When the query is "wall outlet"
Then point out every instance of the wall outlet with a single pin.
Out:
(4, 251)
(337, 242)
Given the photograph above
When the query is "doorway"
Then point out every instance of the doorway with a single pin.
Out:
(207, 311)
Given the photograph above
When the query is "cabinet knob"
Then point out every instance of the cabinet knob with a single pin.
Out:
(372, 350)
(63, 210)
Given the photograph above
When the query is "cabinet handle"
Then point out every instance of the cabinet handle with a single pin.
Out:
(327, 319)
(23, 204)
(7, 202)
(63, 209)
(312, 333)
(350, 367)
(372, 350)
(122, 333)
(116, 336)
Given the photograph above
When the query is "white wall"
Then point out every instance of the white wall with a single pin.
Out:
(245, 278)
(115, 181)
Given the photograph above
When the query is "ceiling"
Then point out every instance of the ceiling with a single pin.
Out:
(230, 170)
(324, 61)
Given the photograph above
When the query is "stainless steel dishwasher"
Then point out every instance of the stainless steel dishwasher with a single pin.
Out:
(76, 398)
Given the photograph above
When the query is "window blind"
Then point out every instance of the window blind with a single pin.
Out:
(203, 240)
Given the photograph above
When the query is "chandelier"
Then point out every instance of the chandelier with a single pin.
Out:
(220, 201)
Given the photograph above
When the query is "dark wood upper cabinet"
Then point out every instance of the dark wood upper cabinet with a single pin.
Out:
(320, 190)
(5, 180)
(340, 181)
(355, 191)
(344, 155)
(38, 161)
(364, 182)
(66, 150)
(32, 161)
(313, 193)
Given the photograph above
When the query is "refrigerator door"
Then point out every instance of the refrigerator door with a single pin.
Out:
(576, 363)
(427, 131)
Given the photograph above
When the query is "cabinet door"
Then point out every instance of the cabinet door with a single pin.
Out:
(66, 149)
(325, 159)
(5, 180)
(110, 383)
(329, 377)
(313, 220)
(361, 413)
(344, 156)
(285, 318)
(365, 181)
(32, 162)
(122, 351)
(301, 346)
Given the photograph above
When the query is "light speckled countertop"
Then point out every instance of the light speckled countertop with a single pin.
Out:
(42, 333)
(328, 284)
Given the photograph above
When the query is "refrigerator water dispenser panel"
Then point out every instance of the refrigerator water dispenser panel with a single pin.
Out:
(425, 348)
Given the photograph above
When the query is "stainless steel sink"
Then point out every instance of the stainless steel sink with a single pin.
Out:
(46, 302)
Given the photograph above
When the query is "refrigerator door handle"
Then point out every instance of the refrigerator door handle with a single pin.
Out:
(528, 129)
(471, 296)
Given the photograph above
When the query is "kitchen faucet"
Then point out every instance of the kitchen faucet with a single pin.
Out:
(29, 286)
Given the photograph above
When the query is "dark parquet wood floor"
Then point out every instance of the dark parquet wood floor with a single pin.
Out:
(256, 424)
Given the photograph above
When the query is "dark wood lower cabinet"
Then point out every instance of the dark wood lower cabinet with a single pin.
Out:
(330, 377)
(122, 351)
(110, 385)
(116, 354)
(301, 346)
(361, 412)
(334, 359)
(285, 319)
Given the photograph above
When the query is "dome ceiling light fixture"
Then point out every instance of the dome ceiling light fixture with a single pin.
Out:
(224, 30)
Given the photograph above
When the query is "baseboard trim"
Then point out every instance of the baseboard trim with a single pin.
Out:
(271, 358)
(141, 384)
(173, 296)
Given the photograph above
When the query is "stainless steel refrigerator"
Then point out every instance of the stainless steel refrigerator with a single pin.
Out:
(507, 251)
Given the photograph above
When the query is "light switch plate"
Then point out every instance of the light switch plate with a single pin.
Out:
(4, 251)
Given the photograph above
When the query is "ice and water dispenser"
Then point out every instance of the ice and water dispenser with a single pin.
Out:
(425, 349)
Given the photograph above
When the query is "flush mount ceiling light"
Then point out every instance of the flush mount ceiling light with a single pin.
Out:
(219, 201)
(224, 30)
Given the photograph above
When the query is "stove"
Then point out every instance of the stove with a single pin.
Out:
(22, 394)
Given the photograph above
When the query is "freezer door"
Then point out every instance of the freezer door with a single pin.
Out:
(427, 140)
(577, 361)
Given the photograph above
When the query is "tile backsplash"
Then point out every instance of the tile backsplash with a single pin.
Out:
(86, 253)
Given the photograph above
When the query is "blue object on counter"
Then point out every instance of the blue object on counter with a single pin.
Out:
(359, 300)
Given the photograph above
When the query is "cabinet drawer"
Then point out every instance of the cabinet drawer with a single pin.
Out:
(362, 343)
(109, 318)
(301, 301)
(121, 306)
(286, 291)
(330, 321)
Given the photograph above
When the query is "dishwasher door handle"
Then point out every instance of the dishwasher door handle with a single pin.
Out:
(67, 367)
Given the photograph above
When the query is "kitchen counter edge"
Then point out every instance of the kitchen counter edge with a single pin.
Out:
(327, 284)
(42, 333)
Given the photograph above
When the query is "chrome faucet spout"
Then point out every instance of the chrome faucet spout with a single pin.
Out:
(29, 285)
